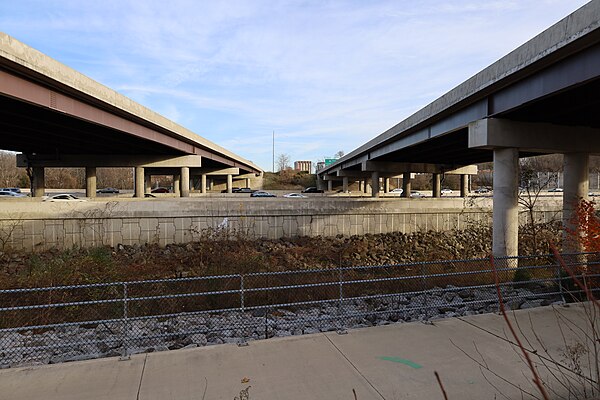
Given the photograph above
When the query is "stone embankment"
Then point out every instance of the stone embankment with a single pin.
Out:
(70, 343)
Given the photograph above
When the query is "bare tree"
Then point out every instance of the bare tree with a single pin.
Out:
(10, 175)
(339, 154)
(283, 162)
(532, 183)
(485, 175)
(119, 178)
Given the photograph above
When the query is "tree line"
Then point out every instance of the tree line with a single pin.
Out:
(62, 178)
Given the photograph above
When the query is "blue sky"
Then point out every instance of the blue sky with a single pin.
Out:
(324, 75)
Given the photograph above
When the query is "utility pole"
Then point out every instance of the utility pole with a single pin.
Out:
(273, 151)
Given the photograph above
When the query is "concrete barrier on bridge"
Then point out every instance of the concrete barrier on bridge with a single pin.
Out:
(35, 226)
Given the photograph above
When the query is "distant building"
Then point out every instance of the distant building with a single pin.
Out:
(305, 166)
(320, 165)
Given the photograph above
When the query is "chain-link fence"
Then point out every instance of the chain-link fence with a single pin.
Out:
(55, 324)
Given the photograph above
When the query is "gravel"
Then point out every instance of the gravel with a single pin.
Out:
(74, 343)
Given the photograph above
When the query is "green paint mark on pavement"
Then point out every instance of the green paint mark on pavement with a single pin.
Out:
(402, 361)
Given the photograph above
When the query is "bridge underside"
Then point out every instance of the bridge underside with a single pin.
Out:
(54, 125)
(542, 98)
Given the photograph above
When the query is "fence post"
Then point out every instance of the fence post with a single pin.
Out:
(424, 290)
(125, 328)
(242, 309)
(559, 278)
(341, 330)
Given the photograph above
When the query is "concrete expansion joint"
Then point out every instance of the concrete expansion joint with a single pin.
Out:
(355, 367)
(137, 397)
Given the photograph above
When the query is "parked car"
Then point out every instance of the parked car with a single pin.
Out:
(107, 190)
(397, 191)
(312, 189)
(233, 190)
(160, 190)
(295, 196)
(8, 193)
(482, 190)
(63, 197)
(417, 194)
(260, 193)
(556, 189)
(446, 191)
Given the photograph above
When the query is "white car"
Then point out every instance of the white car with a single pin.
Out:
(9, 193)
(446, 191)
(556, 189)
(63, 197)
(397, 191)
(417, 194)
(295, 196)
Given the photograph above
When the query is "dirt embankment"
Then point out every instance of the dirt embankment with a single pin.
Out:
(226, 255)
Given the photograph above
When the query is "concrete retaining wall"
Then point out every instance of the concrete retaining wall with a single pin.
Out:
(35, 226)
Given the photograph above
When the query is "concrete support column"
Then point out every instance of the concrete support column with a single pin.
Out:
(464, 185)
(185, 182)
(360, 185)
(320, 183)
(140, 182)
(147, 183)
(575, 187)
(247, 182)
(345, 184)
(505, 238)
(436, 185)
(386, 185)
(329, 186)
(406, 184)
(39, 182)
(177, 184)
(229, 183)
(90, 181)
(211, 184)
(203, 183)
(365, 186)
(375, 184)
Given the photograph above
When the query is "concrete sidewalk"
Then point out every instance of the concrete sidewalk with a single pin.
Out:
(388, 362)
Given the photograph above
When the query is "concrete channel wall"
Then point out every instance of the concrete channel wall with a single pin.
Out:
(35, 226)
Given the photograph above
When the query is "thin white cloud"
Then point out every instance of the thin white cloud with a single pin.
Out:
(324, 75)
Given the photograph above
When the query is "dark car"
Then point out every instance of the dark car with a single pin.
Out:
(312, 189)
(160, 190)
(261, 193)
(243, 190)
(107, 190)
(233, 190)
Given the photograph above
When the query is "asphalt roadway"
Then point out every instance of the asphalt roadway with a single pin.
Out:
(387, 362)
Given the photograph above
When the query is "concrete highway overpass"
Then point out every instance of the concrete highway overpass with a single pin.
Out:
(57, 117)
(541, 98)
